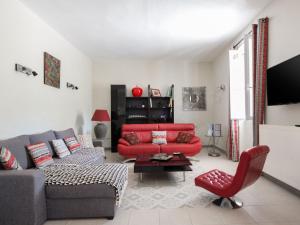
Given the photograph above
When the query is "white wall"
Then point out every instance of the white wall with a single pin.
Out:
(284, 36)
(221, 99)
(283, 159)
(284, 44)
(159, 74)
(27, 105)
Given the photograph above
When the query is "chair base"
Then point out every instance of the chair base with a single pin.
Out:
(233, 203)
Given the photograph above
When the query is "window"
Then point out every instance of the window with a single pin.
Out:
(249, 77)
(241, 80)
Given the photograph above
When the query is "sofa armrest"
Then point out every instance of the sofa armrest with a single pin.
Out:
(194, 140)
(22, 197)
(123, 142)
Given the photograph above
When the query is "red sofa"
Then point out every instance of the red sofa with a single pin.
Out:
(144, 133)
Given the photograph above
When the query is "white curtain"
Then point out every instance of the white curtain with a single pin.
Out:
(237, 99)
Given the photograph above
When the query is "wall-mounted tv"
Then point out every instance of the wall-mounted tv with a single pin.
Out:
(283, 82)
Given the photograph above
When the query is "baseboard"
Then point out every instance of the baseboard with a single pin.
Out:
(221, 150)
(281, 184)
(218, 148)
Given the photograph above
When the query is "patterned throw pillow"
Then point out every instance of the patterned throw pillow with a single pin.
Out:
(132, 138)
(159, 137)
(85, 140)
(40, 154)
(8, 160)
(72, 144)
(184, 137)
(60, 148)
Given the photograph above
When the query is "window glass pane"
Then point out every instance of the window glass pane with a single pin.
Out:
(251, 103)
(237, 83)
(250, 61)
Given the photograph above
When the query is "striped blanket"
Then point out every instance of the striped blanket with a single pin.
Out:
(112, 174)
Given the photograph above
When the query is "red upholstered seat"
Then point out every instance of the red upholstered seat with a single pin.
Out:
(248, 171)
(133, 150)
(144, 133)
(216, 179)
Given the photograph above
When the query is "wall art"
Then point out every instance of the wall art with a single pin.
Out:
(194, 98)
(51, 70)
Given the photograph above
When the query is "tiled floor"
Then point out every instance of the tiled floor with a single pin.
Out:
(264, 204)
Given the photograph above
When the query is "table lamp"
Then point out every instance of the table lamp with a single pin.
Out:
(100, 115)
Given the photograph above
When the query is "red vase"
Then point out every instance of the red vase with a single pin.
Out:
(137, 91)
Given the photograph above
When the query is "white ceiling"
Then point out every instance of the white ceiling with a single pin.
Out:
(148, 29)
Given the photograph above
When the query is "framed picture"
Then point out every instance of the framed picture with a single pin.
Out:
(51, 70)
(194, 98)
(155, 93)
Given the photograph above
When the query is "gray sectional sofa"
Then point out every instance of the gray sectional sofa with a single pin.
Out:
(25, 199)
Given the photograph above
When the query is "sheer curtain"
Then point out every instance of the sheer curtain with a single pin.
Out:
(237, 99)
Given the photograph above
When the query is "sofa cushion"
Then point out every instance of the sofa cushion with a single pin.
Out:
(17, 146)
(64, 133)
(143, 131)
(142, 148)
(132, 138)
(40, 155)
(174, 129)
(176, 126)
(8, 160)
(45, 137)
(60, 148)
(72, 144)
(159, 137)
(79, 191)
(184, 137)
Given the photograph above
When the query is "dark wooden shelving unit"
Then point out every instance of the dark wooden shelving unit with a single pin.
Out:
(140, 110)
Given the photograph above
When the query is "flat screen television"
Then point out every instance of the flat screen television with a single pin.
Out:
(283, 82)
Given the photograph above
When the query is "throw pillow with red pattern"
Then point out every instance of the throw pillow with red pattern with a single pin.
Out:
(40, 154)
(159, 137)
(184, 137)
(72, 144)
(132, 138)
(8, 160)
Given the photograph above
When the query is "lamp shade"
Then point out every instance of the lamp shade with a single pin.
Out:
(100, 115)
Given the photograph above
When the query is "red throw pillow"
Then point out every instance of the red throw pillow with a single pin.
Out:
(184, 137)
(40, 154)
(72, 144)
(132, 138)
(8, 160)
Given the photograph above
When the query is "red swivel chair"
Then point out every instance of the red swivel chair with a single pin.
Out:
(226, 186)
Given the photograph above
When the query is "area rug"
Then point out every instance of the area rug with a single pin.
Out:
(165, 190)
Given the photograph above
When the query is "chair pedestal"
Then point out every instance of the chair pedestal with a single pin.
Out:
(233, 203)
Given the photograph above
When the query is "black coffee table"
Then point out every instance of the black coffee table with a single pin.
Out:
(144, 164)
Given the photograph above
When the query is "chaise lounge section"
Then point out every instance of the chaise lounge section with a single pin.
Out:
(29, 198)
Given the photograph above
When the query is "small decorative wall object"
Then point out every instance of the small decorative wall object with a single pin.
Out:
(194, 98)
(51, 70)
(25, 70)
(221, 87)
(137, 91)
(72, 86)
(155, 93)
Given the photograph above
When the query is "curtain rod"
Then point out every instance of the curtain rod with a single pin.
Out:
(240, 41)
